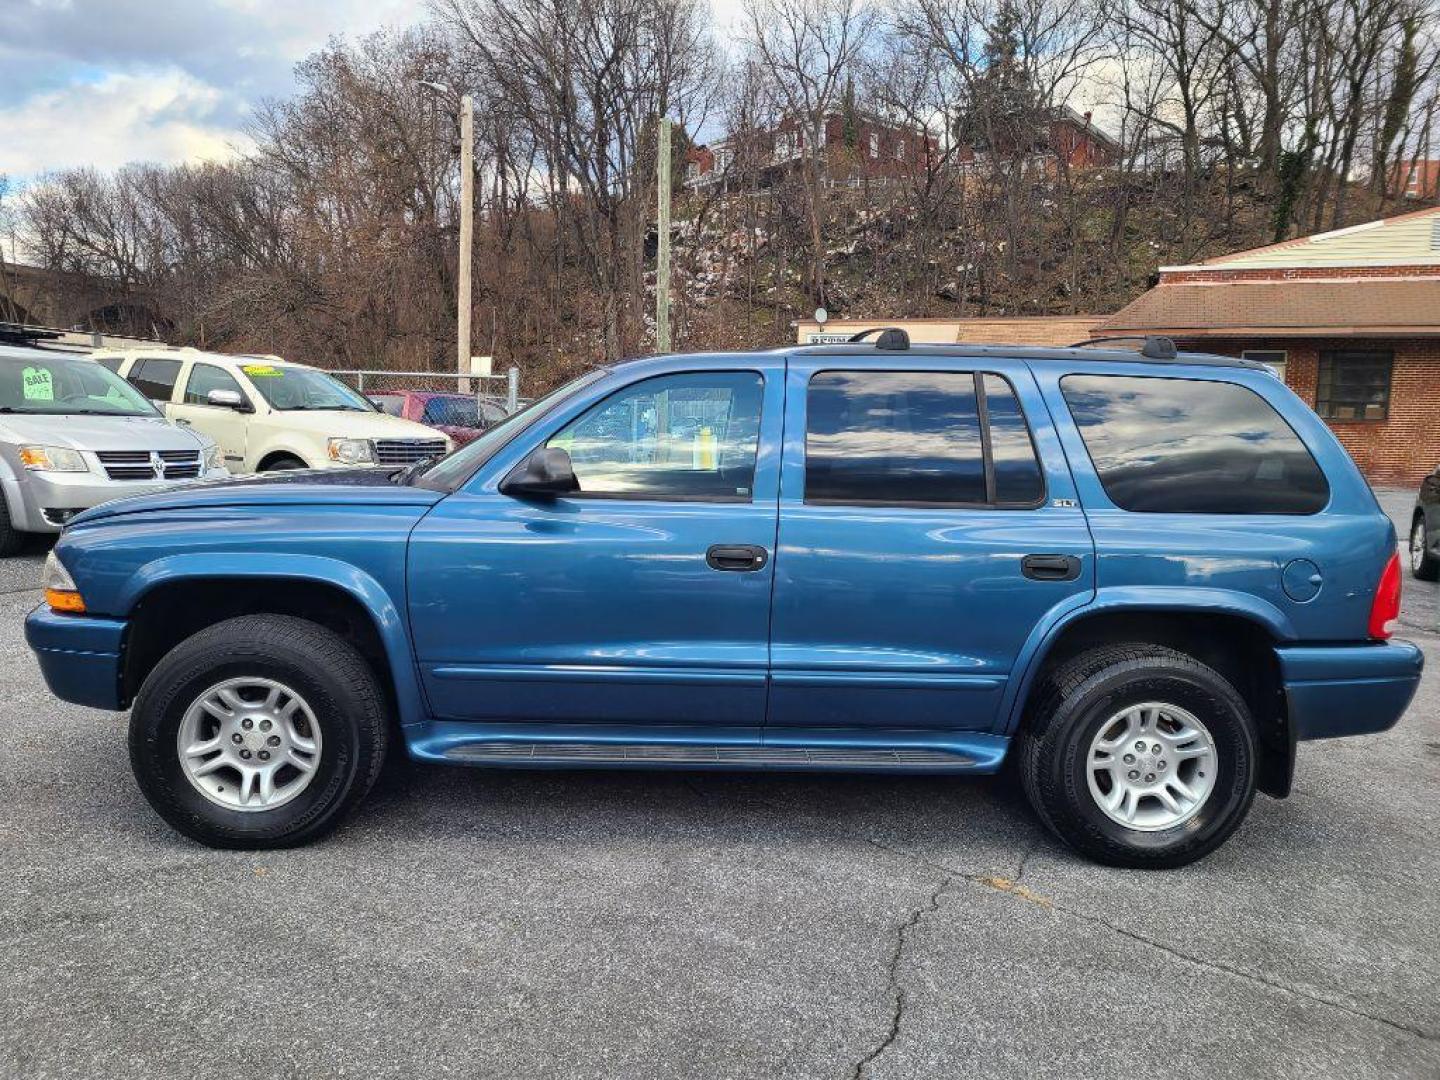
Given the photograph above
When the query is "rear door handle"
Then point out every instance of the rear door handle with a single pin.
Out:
(740, 557)
(1050, 567)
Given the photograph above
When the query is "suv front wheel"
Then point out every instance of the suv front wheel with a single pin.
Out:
(261, 731)
(1139, 756)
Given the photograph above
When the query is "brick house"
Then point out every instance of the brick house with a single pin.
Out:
(1061, 136)
(1350, 318)
(879, 149)
(1416, 178)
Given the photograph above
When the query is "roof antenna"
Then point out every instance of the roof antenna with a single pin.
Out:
(891, 339)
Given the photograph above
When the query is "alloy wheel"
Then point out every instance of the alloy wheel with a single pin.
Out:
(249, 744)
(1151, 766)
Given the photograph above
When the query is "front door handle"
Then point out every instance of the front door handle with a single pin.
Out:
(740, 557)
(182, 421)
(1050, 567)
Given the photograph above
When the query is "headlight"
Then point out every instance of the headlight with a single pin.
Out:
(52, 459)
(351, 451)
(60, 590)
(212, 458)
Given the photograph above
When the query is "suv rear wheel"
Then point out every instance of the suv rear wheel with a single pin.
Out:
(1423, 564)
(1138, 755)
(261, 731)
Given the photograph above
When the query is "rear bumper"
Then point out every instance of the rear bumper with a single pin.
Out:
(1335, 690)
(79, 656)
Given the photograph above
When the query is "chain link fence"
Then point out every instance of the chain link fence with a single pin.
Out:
(437, 398)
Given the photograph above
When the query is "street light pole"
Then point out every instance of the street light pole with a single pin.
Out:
(467, 235)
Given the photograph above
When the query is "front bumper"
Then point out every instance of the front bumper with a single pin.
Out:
(64, 495)
(1335, 690)
(79, 655)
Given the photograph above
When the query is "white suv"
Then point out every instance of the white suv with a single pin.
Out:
(268, 414)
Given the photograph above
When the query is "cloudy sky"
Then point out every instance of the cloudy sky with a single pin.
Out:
(103, 82)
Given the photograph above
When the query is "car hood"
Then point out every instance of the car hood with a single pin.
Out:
(316, 487)
(98, 432)
(342, 423)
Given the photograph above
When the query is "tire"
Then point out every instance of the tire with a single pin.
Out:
(1094, 693)
(11, 538)
(1423, 564)
(283, 463)
(342, 711)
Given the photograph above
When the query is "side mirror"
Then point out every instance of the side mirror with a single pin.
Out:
(545, 473)
(228, 399)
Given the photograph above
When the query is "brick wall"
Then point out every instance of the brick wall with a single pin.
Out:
(1400, 450)
(1297, 273)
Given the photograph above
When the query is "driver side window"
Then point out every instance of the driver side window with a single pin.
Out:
(679, 438)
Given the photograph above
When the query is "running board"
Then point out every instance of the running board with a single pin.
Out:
(621, 755)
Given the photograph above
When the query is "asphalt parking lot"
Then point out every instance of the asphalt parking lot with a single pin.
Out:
(479, 923)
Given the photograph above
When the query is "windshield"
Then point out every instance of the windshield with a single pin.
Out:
(296, 388)
(450, 472)
(58, 385)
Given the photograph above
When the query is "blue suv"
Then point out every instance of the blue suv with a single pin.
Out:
(1141, 578)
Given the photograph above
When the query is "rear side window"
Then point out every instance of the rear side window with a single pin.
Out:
(155, 378)
(920, 438)
(1190, 446)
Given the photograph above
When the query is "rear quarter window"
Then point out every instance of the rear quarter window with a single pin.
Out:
(1192, 446)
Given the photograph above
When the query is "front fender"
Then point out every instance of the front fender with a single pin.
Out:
(371, 595)
(1136, 598)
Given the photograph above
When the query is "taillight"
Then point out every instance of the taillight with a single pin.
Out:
(1386, 607)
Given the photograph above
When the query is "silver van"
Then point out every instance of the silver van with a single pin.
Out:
(74, 435)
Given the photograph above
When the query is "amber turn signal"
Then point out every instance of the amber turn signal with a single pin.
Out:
(61, 600)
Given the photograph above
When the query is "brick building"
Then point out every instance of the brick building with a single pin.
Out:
(1350, 318)
(1062, 137)
(1416, 178)
(874, 148)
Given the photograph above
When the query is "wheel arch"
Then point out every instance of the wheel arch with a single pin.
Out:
(276, 453)
(1237, 639)
(178, 596)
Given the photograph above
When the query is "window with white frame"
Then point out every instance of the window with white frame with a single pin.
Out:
(875, 145)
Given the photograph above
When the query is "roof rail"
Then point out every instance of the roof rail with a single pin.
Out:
(891, 338)
(1155, 347)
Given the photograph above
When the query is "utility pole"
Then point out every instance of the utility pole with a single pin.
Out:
(467, 235)
(662, 261)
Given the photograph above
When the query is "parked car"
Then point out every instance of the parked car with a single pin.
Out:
(269, 415)
(1425, 530)
(460, 416)
(73, 436)
(1143, 579)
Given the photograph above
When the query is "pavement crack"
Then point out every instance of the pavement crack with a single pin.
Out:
(1020, 892)
(893, 987)
(1249, 976)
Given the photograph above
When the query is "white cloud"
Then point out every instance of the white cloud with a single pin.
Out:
(163, 116)
(105, 82)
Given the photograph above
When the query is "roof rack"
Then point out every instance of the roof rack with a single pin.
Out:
(20, 334)
(1155, 347)
(891, 338)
